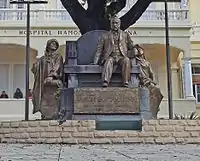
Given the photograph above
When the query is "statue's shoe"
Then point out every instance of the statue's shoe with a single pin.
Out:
(126, 85)
(105, 84)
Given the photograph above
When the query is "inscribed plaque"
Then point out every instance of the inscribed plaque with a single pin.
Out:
(106, 100)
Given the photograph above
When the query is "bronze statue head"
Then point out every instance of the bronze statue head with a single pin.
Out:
(115, 23)
(139, 51)
(52, 45)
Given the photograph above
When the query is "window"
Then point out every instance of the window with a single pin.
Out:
(196, 92)
(20, 13)
(20, 5)
(3, 3)
(130, 3)
(175, 5)
(184, 3)
(12, 76)
(171, 5)
(19, 77)
(196, 81)
(4, 78)
(196, 69)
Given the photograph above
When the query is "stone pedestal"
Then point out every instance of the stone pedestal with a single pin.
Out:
(50, 104)
(145, 104)
(105, 104)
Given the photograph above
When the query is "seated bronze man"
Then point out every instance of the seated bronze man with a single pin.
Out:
(112, 51)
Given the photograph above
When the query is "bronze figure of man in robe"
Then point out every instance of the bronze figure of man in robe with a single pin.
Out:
(112, 51)
(47, 72)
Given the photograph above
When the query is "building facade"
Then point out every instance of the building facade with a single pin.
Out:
(195, 49)
(52, 21)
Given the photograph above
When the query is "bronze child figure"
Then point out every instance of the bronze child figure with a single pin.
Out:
(146, 76)
(146, 79)
(112, 51)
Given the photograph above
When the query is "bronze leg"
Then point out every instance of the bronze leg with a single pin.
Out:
(125, 63)
(107, 71)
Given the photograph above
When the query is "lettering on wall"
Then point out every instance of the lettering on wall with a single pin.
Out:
(68, 32)
(51, 33)
(36, 32)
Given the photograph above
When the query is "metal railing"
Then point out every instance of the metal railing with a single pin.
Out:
(159, 15)
(63, 15)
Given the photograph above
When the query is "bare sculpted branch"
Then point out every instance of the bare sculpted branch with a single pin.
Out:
(96, 16)
(134, 13)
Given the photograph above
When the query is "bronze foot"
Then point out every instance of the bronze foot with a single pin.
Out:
(105, 84)
(126, 85)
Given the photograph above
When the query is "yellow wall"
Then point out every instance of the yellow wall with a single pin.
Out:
(155, 53)
(195, 50)
(194, 11)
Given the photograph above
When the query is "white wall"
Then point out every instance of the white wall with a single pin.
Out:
(12, 109)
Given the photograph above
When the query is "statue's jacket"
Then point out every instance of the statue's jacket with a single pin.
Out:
(106, 45)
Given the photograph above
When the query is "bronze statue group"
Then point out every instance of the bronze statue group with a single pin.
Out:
(112, 51)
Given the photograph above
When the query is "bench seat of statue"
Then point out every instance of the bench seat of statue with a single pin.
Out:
(85, 69)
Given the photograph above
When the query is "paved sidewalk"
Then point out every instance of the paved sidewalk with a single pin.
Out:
(16, 152)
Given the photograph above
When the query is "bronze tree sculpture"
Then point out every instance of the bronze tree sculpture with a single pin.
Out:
(96, 16)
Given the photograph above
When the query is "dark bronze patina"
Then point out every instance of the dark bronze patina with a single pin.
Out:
(112, 51)
(48, 79)
(146, 79)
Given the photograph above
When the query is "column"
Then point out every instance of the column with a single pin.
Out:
(175, 83)
(10, 81)
(188, 78)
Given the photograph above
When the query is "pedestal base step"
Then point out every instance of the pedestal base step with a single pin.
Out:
(119, 125)
(113, 122)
